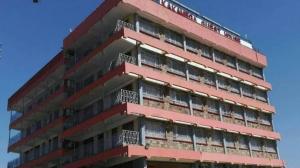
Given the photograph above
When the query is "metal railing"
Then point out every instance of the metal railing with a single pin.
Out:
(121, 24)
(126, 96)
(129, 138)
(14, 139)
(125, 58)
(14, 163)
(15, 116)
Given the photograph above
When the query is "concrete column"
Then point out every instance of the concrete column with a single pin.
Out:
(224, 143)
(245, 117)
(140, 86)
(250, 147)
(217, 81)
(190, 104)
(184, 43)
(139, 56)
(220, 110)
(236, 64)
(187, 72)
(194, 139)
(137, 23)
(142, 130)
(213, 55)
(140, 163)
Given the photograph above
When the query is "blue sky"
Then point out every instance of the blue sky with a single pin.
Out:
(32, 33)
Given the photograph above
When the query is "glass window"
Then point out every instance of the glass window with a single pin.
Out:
(179, 97)
(149, 28)
(201, 136)
(198, 102)
(212, 105)
(209, 78)
(176, 67)
(244, 67)
(194, 73)
(222, 83)
(150, 58)
(257, 72)
(256, 144)
(231, 61)
(152, 91)
(251, 115)
(247, 90)
(192, 45)
(217, 138)
(270, 146)
(261, 95)
(238, 112)
(226, 109)
(219, 56)
(182, 133)
(234, 86)
(155, 129)
(266, 118)
(243, 142)
(173, 37)
(230, 140)
(205, 51)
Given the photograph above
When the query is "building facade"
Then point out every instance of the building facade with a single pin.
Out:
(147, 84)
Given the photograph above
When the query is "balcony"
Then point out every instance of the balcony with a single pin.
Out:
(119, 97)
(13, 140)
(15, 116)
(14, 163)
(126, 137)
(121, 24)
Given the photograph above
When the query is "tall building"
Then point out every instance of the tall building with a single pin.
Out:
(147, 84)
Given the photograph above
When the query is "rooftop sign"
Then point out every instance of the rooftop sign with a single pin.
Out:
(202, 20)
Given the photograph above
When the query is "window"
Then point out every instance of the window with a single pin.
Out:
(219, 57)
(217, 138)
(266, 119)
(209, 78)
(257, 72)
(244, 67)
(251, 115)
(149, 28)
(205, 51)
(150, 58)
(247, 90)
(114, 137)
(201, 136)
(230, 140)
(173, 37)
(179, 97)
(243, 142)
(238, 112)
(176, 67)
(192, 45)
(100, 144)
(222, 83)
(212, 105)
(234, 86)
(226, 109)
(155, 129)
(231, 61)
(194, 73)
(88, 146)
(256, 144)
(270, 146)
(198, 102)
(182, 133)
(152, 91)
(261, 95)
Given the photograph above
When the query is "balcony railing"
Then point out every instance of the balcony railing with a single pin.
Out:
(126, 96)
(121, 24)
(15, 116)
(14, 163)
(120, 60)
(129, 138)
(14, 139)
